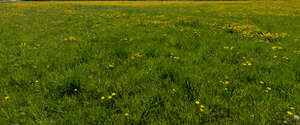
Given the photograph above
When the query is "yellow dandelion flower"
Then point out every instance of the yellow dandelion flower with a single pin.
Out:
(292, 108)
(285, 58)
(174, 90)
(176, 57)
(6, 97)
(266, 91)
(201, 109)
(197, 102)
(268, 88)
(36, 81)
(275, 57)
(249, 63)
(109, 97)
(72, 38)
(111, 65)
(113, 94)
(75, 90)
(126, 114)
(225, 89)
(226, 82)
(274, 47)
(102, 97)
(261, 82)
(289, 113)
(202, 106)
(125, 39)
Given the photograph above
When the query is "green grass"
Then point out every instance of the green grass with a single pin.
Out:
(158, 59)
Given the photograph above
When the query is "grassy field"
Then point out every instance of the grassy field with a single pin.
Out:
(150, 63)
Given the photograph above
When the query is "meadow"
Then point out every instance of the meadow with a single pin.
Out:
(150, 63)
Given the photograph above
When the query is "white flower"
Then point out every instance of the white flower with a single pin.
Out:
(296, 117)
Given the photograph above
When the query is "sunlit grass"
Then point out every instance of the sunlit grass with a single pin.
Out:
(218, 62)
